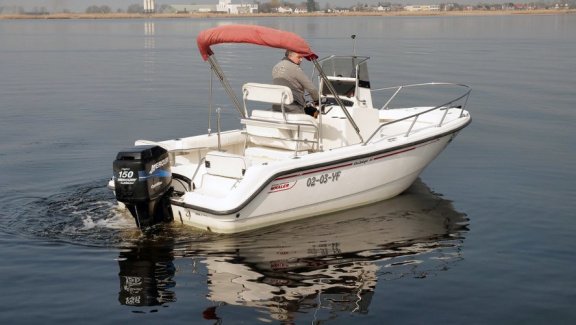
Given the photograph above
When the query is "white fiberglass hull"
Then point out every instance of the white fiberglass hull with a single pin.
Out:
(308, 187)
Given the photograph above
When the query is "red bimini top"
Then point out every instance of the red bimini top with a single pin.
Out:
(252, 34)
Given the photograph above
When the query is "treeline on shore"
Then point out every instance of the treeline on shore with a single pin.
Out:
(309, 7)
(315, 14)
(277, 8)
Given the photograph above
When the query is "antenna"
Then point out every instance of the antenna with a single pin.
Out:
(354, 43)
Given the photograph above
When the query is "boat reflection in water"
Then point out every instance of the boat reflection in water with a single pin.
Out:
(332, 263)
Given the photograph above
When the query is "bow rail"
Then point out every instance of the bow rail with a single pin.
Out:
(458, 102)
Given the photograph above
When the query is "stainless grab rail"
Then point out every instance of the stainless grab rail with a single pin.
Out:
(445, 106)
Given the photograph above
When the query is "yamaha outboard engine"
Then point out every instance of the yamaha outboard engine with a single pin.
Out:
(142, 179)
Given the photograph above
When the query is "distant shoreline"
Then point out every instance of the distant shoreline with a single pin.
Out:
(346, 14)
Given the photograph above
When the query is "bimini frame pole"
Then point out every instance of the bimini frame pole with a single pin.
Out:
(336, 97)
(224, 81)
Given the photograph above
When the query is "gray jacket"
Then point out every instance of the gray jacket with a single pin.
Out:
(287, 73)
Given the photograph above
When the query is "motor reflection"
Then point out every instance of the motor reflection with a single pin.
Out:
(147, 275)
(323, 266)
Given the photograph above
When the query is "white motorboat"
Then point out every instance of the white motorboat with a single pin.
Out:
(278, 166)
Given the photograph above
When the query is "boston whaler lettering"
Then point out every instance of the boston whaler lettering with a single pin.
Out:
(284, 166)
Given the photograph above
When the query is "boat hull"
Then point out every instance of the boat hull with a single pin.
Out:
(352, 181)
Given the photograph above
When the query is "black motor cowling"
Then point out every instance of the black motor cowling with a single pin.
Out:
(142, 179)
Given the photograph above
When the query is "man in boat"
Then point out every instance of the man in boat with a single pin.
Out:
(288, 73)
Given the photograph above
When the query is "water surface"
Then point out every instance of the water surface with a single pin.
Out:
(485, 236)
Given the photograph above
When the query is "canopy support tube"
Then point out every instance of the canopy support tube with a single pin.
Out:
(224, 81)
(336, 97)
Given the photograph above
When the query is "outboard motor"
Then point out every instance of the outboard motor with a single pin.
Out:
(142, 179)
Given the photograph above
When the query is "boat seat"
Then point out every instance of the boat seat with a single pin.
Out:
(271, 129)
(225, 164)
(277, 129)
(267, 93)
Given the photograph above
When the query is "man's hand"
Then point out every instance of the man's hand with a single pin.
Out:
(312, 111)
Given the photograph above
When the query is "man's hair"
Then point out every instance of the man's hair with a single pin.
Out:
(287, 54)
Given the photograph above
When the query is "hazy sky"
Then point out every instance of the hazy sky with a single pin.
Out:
(81, 5)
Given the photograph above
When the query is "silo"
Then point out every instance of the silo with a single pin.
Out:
(149, 6)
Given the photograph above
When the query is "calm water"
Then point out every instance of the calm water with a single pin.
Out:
(485, 237)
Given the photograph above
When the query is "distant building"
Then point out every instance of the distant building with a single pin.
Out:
(283, 10)
(288, 10)
(422, 8)
(149, 6)
(223, 6)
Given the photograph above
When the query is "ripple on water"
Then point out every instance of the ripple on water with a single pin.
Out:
(84, 214)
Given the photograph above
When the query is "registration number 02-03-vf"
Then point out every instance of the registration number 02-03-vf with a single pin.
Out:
(323, 179)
